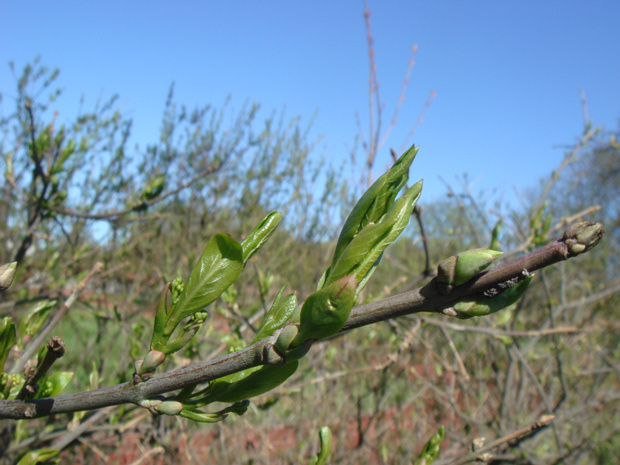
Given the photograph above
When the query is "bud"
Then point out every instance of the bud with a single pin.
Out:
(364, 251)
(7, 273)
(153, 359)
(583, 236)
(169, 407)
(286, 338)
(459, 269)
(325, 312)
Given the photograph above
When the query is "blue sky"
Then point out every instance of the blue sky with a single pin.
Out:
(507, 75)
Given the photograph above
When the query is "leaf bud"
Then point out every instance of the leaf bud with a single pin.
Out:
(7, 273)
(169, 407)
(582, 236)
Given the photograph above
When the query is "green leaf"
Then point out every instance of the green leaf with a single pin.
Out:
(277, 316)
(159, 322)
(8, 338)
(487, 305)
(249, 383)
(431, 449)
(54, 384)
(325, 436)
(219, 266)
(33, 321)
(366, 248)
(261, 234)
(376, 201)
(38, 456)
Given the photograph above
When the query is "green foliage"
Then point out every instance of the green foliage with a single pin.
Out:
(430, 452)
(8, 338)
(325, 437)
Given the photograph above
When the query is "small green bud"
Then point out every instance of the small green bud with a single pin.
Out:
(169, 407)
(459, 269)
(7, 273)
(150, 403)
(176, 288)
(154, 188)
(286, 337)
(153, 359)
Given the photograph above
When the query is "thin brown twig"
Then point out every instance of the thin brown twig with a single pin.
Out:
(520, 434)
(111, 215)
(36, 342)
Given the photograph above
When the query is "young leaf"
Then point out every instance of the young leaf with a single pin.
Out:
(249, 383)
(32, 322)
(366, 248)
(261, 234)
(219, 266)
(376, 201)
(277, 316)
(487, 305)
(54, 384)
(8, 338)
(430, 452)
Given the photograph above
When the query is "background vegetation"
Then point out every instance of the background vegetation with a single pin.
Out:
(75, 194)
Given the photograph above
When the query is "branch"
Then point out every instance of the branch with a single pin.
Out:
(430, 298)
(111, 215)
(518, 435)
(35, 343)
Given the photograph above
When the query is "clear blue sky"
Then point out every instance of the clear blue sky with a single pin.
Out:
(507, 74)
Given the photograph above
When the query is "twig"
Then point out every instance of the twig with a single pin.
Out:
(38, 340)
(112, 215)
(520, 434)
(76, 432)
(55, 349)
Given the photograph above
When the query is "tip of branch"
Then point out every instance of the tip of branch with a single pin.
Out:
(583, 236)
